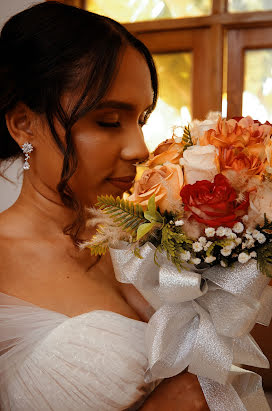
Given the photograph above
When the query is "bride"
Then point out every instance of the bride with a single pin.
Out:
(76, 89)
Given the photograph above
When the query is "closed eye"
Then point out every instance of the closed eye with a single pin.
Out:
(108, 124)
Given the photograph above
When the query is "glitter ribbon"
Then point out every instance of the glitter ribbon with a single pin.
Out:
(202, 321)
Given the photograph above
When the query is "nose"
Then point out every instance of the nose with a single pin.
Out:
(134, 148)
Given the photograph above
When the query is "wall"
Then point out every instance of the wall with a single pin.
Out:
(10, 191)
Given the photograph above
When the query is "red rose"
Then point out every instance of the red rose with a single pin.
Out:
(214, 204)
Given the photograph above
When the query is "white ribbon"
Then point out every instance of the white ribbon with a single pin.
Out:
(202, 322)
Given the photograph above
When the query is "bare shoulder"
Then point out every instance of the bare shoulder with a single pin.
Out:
(18, 253)
(51, 274)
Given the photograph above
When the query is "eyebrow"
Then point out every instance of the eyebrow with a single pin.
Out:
(120, 105)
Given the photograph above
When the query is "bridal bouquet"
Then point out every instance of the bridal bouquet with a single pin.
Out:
(195, 238)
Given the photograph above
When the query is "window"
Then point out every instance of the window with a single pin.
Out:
(126, 11)
(211, 55)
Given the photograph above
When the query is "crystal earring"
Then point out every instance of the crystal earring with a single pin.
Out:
(27, 148)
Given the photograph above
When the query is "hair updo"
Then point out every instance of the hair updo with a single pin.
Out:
(52, 48)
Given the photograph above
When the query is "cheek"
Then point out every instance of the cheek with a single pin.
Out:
(97, 158)
(96, 153)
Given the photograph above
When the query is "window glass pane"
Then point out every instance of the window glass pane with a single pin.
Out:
(174, 105)
(127, 11)
(257, 95)
(249, 5)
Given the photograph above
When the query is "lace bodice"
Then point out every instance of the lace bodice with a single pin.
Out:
(94, 361)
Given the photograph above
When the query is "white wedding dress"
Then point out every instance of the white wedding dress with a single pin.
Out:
(48, 361)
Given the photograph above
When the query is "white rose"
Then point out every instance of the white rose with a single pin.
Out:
(200, 163)
(198, 128)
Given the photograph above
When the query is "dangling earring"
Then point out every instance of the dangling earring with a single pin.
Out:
(27, 148)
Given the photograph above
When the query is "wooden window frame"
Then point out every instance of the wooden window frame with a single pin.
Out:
(240, 41)
(204, 36)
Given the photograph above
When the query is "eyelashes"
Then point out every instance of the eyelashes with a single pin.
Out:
(108, 124)
(118, 124)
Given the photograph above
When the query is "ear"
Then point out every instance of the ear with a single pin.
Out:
(19, 122)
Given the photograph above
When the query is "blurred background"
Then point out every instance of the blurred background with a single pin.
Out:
(211, 55)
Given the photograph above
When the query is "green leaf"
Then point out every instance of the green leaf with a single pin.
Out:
(151, 206)
(156, 217)
(143, 229)
(151, 214)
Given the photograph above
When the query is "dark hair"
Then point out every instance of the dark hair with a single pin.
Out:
(51, 48)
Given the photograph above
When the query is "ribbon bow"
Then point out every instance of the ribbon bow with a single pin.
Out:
(202, 322)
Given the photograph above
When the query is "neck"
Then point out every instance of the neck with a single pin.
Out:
(43, 212)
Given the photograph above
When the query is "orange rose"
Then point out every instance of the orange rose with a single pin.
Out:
(169, 150)
(243, 133)
(165, 182)
(237, 160)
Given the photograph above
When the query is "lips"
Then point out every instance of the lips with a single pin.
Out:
(124, 182)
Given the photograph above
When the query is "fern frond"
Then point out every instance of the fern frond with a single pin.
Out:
(175, 244)
(124, 213)
(99, 248)
(187, 138)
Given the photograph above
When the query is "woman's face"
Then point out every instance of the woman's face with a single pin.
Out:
(109, 140)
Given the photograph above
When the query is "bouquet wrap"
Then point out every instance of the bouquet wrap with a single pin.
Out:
(202, 321)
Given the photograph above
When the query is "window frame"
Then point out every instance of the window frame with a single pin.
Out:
(204, 36)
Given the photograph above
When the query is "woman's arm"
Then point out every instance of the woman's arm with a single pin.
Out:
(179, 393)
(263, 336)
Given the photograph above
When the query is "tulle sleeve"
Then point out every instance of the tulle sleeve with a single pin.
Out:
(22, 325)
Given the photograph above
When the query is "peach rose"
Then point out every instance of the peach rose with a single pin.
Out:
(169, 150)
(240, 134)
(237, 160)
(165, 182)
(200, 163)
(268, 152)
(260, 203)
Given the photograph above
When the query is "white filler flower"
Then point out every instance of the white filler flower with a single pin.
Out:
(179, 223)
(210, 259)
(261, 238)
(196, 261)
(221, 231)
(210, 232)
(197, 246)
(185, 256)
(225, 252)
(238, 228)
(243, 258)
